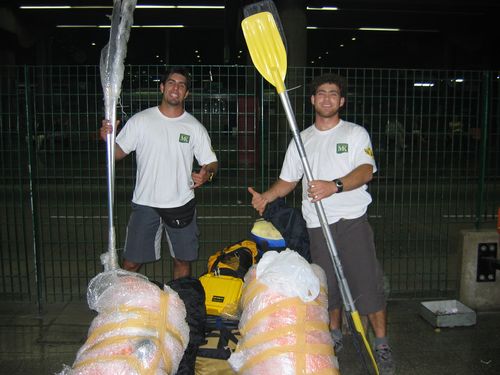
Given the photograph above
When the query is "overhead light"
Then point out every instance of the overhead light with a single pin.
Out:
(109, 26)
(372, 29)
(41, 7)
(423, 84)
(199, 6)
(457, 80)
(80, 26)
(158, 26)
(210, 7)
(377, 29)
(322, 8)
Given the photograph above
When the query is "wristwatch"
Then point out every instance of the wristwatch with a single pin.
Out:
(339, 184)
(211, 176)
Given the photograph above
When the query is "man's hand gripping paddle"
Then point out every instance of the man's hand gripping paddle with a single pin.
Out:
(268, 53)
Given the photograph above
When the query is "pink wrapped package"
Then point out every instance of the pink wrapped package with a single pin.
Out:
(140, 329)
(284, 321)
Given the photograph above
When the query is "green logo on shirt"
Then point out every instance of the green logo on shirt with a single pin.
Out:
(184, 138)
(342, 148)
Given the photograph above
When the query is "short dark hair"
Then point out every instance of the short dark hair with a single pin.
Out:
(177, 70)
(328, 78)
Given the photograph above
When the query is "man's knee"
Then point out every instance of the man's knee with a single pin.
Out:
(131, 266)
(182, 268)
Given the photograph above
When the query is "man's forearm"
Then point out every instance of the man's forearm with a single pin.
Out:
(212, 167)
(358, 177)
(279, 189)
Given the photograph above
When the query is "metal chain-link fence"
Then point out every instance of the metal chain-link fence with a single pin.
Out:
(435, 136)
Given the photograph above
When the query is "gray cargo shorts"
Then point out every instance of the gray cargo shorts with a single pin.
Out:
(355, 246)
(144, 234)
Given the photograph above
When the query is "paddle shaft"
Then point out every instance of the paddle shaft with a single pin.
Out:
(112, 258)
(112, 68)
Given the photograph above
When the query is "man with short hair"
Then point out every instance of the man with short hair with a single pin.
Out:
(166, 140)
(341, 159)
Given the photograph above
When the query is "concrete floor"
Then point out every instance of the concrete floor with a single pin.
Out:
(33, 344)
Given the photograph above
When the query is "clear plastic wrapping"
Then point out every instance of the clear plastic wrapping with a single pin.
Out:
(139, 329)
(113, 54)
(282, 332)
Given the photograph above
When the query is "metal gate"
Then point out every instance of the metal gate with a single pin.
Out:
(435, 136)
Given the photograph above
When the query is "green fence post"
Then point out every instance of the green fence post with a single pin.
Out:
(483, 148)
(262, 144)
(32, 188)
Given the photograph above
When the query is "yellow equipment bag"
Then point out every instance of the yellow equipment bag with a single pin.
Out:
(222, 294)
(234, 260)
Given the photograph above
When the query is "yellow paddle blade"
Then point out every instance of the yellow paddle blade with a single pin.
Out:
(359, 327)
(266, 48)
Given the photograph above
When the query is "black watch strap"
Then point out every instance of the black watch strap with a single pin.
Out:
(339, 184)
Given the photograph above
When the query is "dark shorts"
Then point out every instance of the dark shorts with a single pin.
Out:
(356, 249)
(144, 234)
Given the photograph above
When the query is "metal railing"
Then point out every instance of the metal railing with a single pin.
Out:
(435, 136)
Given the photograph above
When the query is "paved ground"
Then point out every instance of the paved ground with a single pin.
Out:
(33, 344)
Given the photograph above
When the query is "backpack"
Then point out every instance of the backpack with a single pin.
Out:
(192, 294)
(266, 236)
(292, 226)
(234, 260)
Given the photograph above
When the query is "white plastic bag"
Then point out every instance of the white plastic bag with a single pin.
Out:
(291, 275)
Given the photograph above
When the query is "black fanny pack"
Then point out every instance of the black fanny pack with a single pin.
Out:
(178, 217)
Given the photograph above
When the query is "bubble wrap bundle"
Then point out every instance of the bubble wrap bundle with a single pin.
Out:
(140, 329)
(284, 323)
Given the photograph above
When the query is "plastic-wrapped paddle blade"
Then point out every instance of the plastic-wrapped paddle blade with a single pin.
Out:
(266, 48)
(266, 6)
(113, 54)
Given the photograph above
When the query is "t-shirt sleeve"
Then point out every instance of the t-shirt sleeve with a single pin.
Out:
(203, 151)
(292, 169)
(128, 137)
(363, 149)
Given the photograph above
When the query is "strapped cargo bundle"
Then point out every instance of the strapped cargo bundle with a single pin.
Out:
(140, 329)
(284, 323)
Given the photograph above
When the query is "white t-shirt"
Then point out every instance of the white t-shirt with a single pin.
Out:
(331, 154)
(165, 149)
